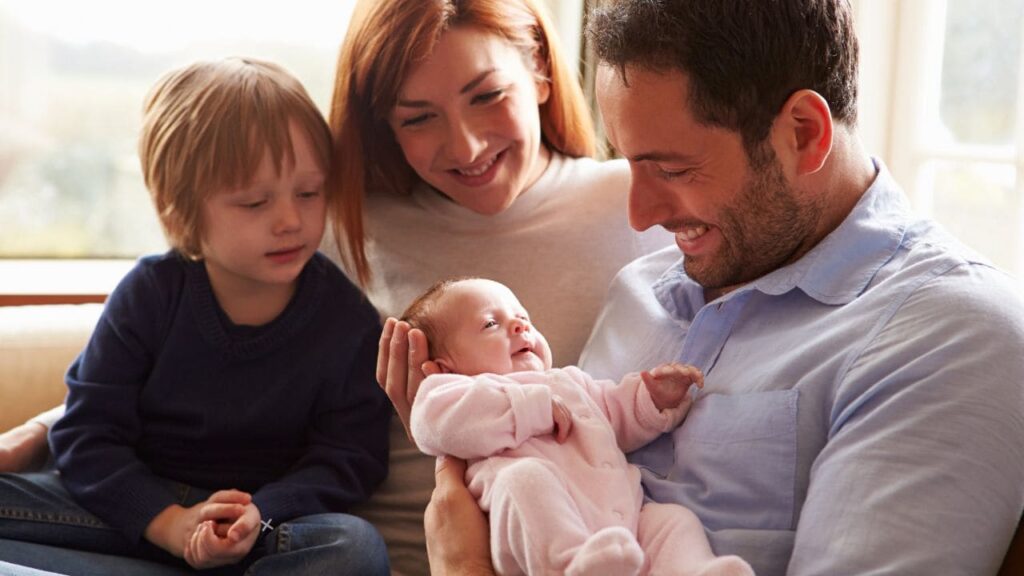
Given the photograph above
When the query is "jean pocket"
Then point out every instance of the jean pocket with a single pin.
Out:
(734, 460)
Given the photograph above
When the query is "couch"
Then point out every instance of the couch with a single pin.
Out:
(38, 343)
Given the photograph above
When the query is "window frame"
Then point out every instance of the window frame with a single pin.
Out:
(78, 280)
(899, 81)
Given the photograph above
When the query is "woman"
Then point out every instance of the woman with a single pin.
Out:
(464, 139)
(463, 144)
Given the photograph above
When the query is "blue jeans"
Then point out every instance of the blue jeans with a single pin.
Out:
(43, 528)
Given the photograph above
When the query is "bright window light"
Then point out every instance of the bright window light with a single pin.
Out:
(73, 76)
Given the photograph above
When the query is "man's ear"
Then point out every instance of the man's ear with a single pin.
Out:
(802, 132)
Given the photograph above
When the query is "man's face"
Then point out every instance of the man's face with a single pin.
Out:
(733, 222)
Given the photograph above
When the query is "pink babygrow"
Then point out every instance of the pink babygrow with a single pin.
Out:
(572, 508)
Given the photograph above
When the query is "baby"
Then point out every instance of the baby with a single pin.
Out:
(546, 446)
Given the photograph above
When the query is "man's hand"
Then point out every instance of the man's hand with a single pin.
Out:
(562, 417)
(457, 532)
(669, 384)
(24, 448)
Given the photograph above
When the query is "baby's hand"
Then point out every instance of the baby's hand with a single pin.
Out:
(562, 417)
(669, 384)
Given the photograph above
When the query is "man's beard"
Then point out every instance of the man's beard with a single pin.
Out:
(762, 230)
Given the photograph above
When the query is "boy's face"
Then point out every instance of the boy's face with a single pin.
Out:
(485, 329)
(262, 235)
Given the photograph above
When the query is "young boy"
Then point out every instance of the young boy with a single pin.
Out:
(224, 411)
(545, 447)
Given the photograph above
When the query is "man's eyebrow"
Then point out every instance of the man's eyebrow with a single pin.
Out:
(469, 86)
(658, 156)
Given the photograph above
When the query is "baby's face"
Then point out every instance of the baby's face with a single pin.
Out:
(485, 329)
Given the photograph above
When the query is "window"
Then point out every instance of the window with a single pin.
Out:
(942, 103)
(73, 76)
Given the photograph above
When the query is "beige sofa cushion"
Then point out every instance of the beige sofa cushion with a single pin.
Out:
(37, 344)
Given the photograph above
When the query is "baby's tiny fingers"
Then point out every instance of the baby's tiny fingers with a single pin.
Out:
(672, 369)
(695, 375)
(564, 427)
(648, 377)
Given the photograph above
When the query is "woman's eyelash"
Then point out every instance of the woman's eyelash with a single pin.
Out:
(415, 120)
(488, 96)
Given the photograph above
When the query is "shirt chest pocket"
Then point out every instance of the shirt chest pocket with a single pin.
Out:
(733, 461)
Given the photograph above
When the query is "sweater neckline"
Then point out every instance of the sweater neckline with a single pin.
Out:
(251, 341)
(526, 204)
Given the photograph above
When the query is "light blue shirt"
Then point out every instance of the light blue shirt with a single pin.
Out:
(863, 408)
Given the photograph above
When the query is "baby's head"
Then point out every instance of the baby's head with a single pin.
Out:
(475, 325)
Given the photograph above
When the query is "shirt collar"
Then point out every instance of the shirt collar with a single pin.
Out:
(835, 271)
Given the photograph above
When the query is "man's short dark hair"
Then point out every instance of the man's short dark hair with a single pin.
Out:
(743, 58)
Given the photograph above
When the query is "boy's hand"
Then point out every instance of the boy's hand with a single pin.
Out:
(174, 527)
(562, 418)
(218, 543)
(669, 384)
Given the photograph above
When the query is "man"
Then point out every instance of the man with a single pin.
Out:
(863, 409)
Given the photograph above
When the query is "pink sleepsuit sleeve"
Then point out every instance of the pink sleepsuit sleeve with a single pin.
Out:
(477, 416)
(629, 408)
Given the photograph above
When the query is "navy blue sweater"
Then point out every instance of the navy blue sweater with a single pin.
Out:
(168, 388)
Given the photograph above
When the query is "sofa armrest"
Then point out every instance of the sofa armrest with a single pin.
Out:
(37, 344)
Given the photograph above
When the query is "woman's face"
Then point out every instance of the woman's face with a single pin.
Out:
(468, 120)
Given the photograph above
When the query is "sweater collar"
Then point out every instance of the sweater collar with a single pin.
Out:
(250, 342)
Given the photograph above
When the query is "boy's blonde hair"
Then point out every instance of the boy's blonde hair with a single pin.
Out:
(206, 128)
(385, 40)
